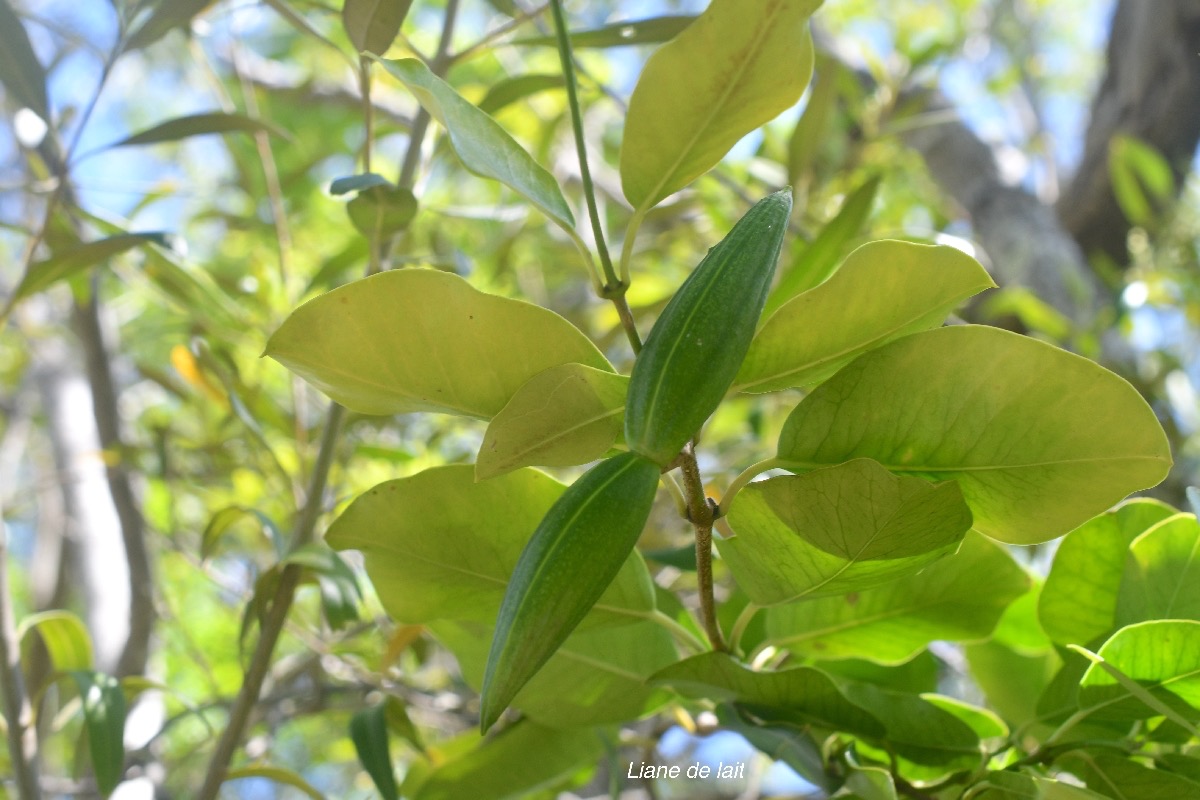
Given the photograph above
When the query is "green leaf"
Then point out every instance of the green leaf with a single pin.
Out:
(819, 259)
(619, 34)
(422, 340)
(807, 695)
(573, 556)
(567, 415)
(925, 730)
(104, 720)
(438, 545)
(1078, 603)
(1126, 779)
(871, 783)
(1011, 681)
(737, 66)
(511, 90)
(205, 124)
(1142, 181)
(484, 147)
(838, 529)
(357, 183)
(64, 636)
(695, 348)
(20, 71)
(917, 675)
(811, 129)
(598, 676)
(1040, 440)
(279, 775)
(787, 743)
(1162, 573)
(1161, 656)
(67, 263)
(372, 25)
(381, 212)
(340, 594)
(885, 290)
(523, 759)
(368, 731)
(959, 598)
(1002, 785)
(165, 17)
(220, 523)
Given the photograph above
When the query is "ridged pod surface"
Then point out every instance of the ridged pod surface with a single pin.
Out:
(570, 560)
(697, 346)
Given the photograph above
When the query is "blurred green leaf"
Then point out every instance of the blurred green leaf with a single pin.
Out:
(619, 34)
(103, 703)
(165, 16)
(64, 636)
(1142, 180)
(212, 122)
(226, 518)
(372, 25)
(381, 212)
(485, 148)
(369, 732)
(279, 775)
(1124, 778)
(512, 90)
(20, 71)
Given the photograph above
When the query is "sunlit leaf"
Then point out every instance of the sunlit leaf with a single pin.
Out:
(838, 529)
(1039, 440)
(438, 545)
(64, 636)
(1125, 778)
(567, 415)
(484, 147)
(884, 290)
(1162, 573)
(959, 598)
(1079, 600)
(819, 258)
(1161, 656)
(422, 340)
(738, 65)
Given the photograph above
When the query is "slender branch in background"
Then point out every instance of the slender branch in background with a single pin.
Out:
(491, 36)
(701, 515)
(22, 736)
(614, 288)
(440, 63)
(375, 251)
(281, 603)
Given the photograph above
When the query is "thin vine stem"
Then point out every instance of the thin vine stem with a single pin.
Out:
(701, 514)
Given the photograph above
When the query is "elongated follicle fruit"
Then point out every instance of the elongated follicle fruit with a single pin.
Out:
(571, 559)
(697, 346)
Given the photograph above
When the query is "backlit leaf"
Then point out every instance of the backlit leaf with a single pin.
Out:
(484, 147)
(959, 598)
(423, 340)
(372, 25)
(1162, 573)
(883, 291)
(1039, 440)
(1161, 656)
(738, 65)
(837, 529)
(64, 636)
(439, 546)
(567, 415)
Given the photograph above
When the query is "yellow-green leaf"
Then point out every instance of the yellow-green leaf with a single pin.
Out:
(64, 636)
(567, 415)
(422, 340)
(737, 66)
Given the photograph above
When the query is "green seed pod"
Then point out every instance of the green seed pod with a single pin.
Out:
(698, 344)
(571, 559)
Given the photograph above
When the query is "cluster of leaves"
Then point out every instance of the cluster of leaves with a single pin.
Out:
(916, 454)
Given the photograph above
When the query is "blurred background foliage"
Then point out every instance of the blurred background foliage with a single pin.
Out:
(217, 444)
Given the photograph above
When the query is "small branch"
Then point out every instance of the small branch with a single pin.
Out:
(281, 603)
(439, 65)
(22, 736)
(491, 36)
(701, 513)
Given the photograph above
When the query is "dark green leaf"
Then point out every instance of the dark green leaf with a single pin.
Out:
(511, 90)
(1126, 779)
(787, 743)
(369, 732)
(104, 720)
(372, 25)
(165, 16)
(209, 123)
(619, 34)
(20, 71)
